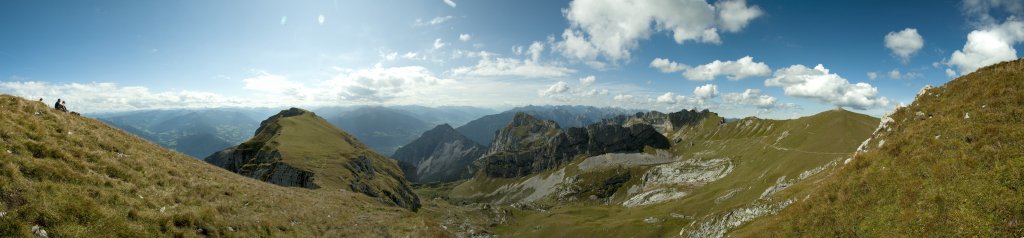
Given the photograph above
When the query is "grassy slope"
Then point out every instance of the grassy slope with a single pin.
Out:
(78, 177)
(812, 142)
(941, 176)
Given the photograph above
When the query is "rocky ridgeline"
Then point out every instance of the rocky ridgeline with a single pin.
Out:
(661, 122)
(261, 158)
(529, 145)
(441, 154)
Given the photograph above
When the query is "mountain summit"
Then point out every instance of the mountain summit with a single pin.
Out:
(441, 154)
(298, 148)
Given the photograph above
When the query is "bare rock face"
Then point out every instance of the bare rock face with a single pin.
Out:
(529, 145)
(262, 166)
(661, 122)
(441, 154)
(364, 173)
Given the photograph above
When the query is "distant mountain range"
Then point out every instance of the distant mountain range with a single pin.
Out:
(201, 132)
(439, 155)
(484, 129)
(196, 133)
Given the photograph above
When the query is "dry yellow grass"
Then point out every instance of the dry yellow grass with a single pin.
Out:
(77, 177)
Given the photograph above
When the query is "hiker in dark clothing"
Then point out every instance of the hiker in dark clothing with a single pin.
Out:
(60, 106)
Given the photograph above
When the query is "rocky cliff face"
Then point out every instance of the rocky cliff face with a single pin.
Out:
(482, 130)
(441, 154)
(299, 149)
(262, 166)
(661, 122)
(529, 145)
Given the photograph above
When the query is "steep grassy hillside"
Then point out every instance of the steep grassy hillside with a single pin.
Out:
(77, 177)
(949, 165)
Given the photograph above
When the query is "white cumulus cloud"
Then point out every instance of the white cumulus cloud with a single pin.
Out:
(735, 70)
(587, 81)
(438, 43)
(265, 82)
(667, 66)
(706, 91)
(733, 16)
(612, 28)
(872, 75)
(450, 3)
(668, 98)
(491, 66)
(817, 83)
(752, 97)
(465, 37)
(988, 46)
(623, 97)
(557, 88)
(536, 48)
(904, 43)
(380, 84)
(896, 74)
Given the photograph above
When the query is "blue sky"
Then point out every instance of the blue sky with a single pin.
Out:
(134, 55)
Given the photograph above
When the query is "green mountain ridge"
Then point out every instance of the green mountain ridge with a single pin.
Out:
(949, 164)
(298, 148)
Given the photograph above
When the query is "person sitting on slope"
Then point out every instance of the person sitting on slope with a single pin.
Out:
(60, 106)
